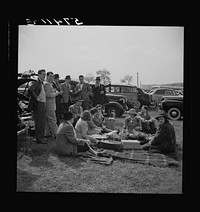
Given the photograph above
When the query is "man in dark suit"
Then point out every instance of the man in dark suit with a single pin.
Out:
(83, 90)
(66, 95)
(37, 104)
(98, 93)
(56, 85)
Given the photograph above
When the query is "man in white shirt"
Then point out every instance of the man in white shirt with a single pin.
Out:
(83, 90)
(50, 122)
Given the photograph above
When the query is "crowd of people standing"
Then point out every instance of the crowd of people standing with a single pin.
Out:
(49, 98)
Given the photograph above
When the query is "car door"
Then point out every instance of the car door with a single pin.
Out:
(158, 94)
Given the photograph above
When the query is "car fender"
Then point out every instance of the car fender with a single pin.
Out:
(116, 104)
(174, 103)
(166, 105)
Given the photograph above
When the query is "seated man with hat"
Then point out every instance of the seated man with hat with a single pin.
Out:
(76, 109)
(133, 125)
(165, 137)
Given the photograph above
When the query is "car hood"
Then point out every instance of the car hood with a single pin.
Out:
(179, 97)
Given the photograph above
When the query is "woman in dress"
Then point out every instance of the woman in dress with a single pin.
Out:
(82, 127)
(165, 138)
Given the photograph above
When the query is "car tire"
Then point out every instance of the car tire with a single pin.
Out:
(118, 112)
(153, 104)
(137, 105)
(174, 113)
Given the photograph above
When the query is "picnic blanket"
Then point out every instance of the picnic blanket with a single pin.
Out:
(144, 157)
(87, 156)
(136, 156)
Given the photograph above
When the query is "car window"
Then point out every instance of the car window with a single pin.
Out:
(126, 89)
(112, 89)
(169, 92)
(117, 89)
(140, 91)
(160, 92)
(107, 89)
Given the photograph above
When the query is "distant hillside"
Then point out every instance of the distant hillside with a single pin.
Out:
(149, 86)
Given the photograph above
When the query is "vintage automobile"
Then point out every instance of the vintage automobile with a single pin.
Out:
(173, 106)
(158, 93)
(135, 95)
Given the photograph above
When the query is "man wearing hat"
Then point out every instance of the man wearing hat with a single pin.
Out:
(98, 93)
(66, 95)
(83, 90)
(165, 137)
(76, 109)
(56, 85)
(132, 122)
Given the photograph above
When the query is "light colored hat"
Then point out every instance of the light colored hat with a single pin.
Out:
(132, 111)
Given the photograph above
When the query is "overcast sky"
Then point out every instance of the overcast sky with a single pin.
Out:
(156, 53)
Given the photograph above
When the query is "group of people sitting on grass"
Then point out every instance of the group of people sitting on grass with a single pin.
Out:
(74, 134)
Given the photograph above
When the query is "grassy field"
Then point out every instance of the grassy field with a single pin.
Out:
(40, 170)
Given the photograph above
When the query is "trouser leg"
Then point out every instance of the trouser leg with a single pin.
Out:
(65, 106)
(85, 105)
(39, 119)
(51, 119)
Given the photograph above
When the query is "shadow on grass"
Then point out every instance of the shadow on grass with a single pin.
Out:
(71, 161)
(25, 180)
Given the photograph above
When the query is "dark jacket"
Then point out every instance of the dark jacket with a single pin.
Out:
(34, 91)
(66, 140)
(165, 138)
(57, 86)
(97, 97)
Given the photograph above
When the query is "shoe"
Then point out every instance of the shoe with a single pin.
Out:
(44, 141)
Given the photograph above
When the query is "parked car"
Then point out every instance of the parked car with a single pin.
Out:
(158, 93)
(173, 106)
(134, 94)
(22, 94)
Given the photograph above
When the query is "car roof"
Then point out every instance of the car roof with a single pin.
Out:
(122, 85)
(164, 89)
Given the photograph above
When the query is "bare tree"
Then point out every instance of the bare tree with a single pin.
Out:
(127, 79)
(105, 76)
(89, 77)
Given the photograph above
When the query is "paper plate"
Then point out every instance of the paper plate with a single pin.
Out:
(99, 136)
